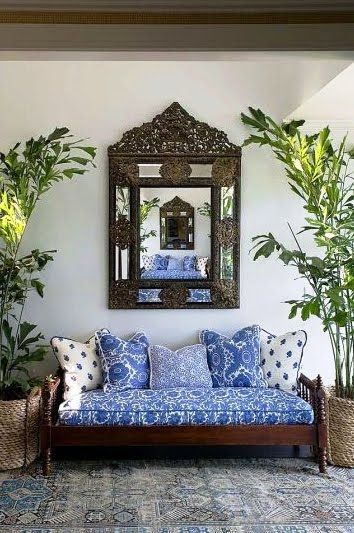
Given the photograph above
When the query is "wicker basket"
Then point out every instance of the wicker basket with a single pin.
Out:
(19, 431)
(341, 431)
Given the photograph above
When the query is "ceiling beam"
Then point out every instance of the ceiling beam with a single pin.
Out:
(173, 18)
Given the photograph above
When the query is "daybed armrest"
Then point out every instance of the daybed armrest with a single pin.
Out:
(52, 392)
(313, 392)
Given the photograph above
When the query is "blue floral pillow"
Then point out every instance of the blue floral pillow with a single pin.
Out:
(189, 262)
(161, 262)
(186, 367)
(235, 362)
(125, 364)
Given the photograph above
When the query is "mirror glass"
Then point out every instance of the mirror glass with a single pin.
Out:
(175, 233)
(122, 252)
(152, 170)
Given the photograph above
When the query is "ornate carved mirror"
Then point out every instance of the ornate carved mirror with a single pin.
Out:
(174, 203)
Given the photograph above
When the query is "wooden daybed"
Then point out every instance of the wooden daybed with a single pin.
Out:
(54, 435)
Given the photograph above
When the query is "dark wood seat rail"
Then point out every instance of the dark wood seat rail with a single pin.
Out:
(55, 435)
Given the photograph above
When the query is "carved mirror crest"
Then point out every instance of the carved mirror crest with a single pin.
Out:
(174, 204)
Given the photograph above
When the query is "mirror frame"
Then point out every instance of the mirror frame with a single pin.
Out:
(175, 140)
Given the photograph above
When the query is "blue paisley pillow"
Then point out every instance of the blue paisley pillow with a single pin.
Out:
(235, 362)
(125, 364)
(186, 367)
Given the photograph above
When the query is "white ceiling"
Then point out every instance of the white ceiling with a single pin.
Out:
(334, 102)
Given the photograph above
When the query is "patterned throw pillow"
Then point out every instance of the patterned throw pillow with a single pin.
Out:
(161, 262)
(189, 262)
(187, 367)
(125, 364)
(235, 362)
(281, 359)
(81, 364)
(149, 262)
(202, 265)
(175, 264)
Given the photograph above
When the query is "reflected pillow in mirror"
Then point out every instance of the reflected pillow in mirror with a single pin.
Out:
(175, 264)
(235, 362)
(161, 262)
(187, 367)
(189, 262)
(149, 262)
(202, 265)
(125, 363)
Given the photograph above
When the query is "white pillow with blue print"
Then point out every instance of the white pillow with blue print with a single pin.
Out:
(281, 359)
(81, 365)
(234, 362)
(125, 363)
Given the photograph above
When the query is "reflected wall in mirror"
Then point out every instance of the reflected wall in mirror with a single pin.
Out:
(174, 204)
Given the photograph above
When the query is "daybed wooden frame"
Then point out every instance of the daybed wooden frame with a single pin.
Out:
(54, 435)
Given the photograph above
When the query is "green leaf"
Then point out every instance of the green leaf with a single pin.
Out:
(265, 250)
(38, 285)
(58, 133)
(89, 150)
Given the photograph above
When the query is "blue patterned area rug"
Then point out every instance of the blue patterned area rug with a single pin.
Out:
(179, 496)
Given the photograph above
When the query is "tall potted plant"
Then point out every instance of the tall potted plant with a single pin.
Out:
(319, 173)
(27, 172)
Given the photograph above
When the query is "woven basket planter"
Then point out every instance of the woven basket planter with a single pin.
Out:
(341, 431)
(19, 431)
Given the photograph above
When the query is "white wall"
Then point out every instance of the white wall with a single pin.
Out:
(196, 197)
(100, 100)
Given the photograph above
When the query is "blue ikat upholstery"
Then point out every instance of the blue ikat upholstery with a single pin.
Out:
(175, 407)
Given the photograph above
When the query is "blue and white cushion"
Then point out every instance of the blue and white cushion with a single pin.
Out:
(186, 367)
(234, 362)
(175, 407)
(81, 364)
(172, 274)
(155, 262)
(125, 363)
(175, 263)
(281, 359)
(148, 262)
(161, 262)
(189, 262)
(201, 264)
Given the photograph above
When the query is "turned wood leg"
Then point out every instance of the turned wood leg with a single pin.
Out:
(46, 461)
(322, 460)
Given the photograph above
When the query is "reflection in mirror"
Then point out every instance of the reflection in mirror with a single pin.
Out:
(122, 201)
(153, 296)
(226, 263)
(152, 170)
(175, 233)
(122, 212)
(177, 225)
(227, 201)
